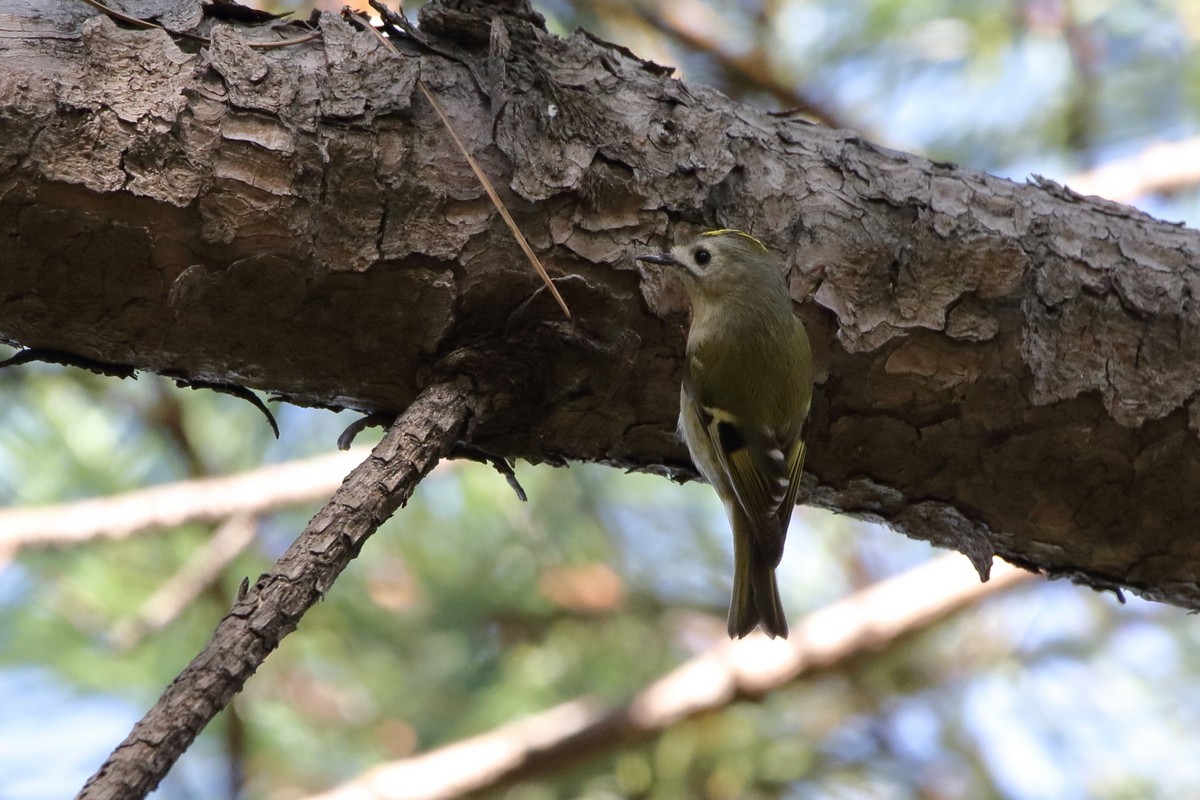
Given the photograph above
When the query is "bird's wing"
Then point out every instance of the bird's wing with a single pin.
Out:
(795, 471)
(756, 466)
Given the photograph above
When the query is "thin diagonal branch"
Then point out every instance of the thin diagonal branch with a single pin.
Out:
(272, 608)
(579, 729)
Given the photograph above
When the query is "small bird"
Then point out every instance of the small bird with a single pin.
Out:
(747, 388)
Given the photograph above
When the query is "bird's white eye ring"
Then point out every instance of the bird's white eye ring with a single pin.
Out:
(702, 256)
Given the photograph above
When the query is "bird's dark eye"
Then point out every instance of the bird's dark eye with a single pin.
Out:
(702, 256)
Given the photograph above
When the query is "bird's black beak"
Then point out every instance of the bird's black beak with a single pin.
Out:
(666, 259)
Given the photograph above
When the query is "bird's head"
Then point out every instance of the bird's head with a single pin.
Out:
(722, 264)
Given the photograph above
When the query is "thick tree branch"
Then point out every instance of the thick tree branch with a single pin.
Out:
(1005, 369)
(272, 608)
(544, 743)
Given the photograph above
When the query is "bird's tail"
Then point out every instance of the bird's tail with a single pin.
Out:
(755, 598)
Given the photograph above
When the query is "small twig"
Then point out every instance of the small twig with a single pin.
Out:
(501, 465)
(272, 608)
(389, 17)
(377, 420)
(233, 390)
(461, 451)
(491, 192)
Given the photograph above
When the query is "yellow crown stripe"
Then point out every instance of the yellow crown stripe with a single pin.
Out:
(735, 232)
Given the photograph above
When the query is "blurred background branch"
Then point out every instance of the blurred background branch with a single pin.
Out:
(554, 740)
(687, 24)
(207, 499)
(201, 571)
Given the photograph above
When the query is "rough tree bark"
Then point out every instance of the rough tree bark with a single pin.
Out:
(1003, 368)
